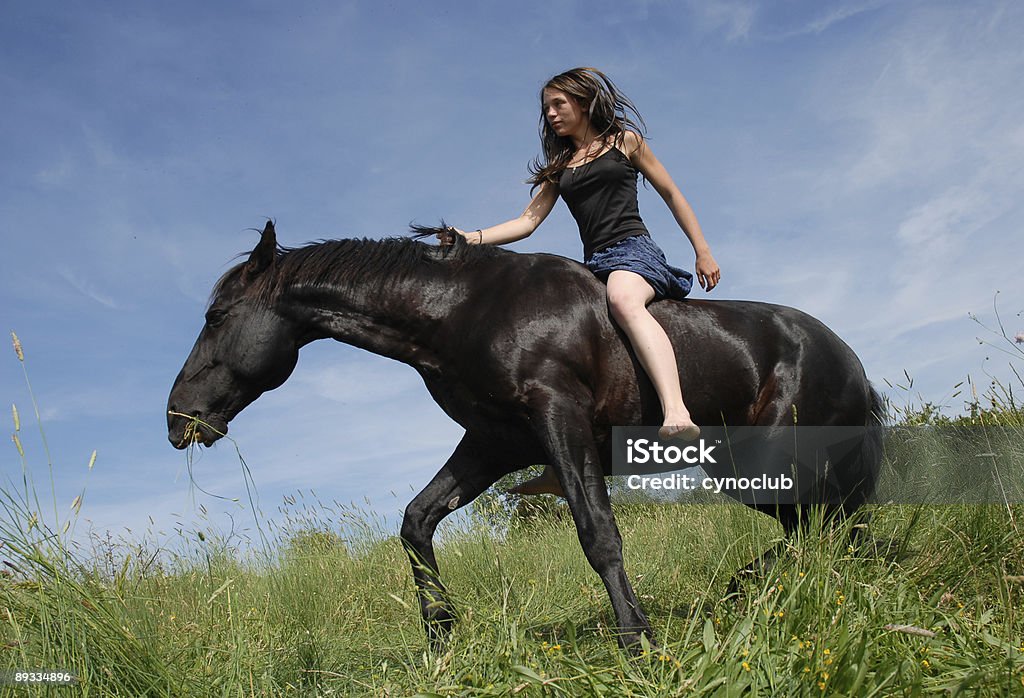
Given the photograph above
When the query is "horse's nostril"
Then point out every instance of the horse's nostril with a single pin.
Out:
(173, 411)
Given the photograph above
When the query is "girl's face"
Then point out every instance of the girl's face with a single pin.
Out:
(564, 114)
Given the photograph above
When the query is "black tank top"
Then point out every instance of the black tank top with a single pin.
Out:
(601, 195)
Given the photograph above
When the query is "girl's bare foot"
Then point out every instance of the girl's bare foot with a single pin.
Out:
(683, 430)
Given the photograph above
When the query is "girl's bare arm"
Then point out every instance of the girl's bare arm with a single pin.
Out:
(517, 228)
(639, 153)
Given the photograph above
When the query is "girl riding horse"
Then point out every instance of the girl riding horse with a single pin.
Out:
(592, 152)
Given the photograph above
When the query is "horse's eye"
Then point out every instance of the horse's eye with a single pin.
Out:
(215, 318)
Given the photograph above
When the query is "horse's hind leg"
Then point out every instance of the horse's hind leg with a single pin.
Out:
(796, 518)
(469, 471)
(793, 518)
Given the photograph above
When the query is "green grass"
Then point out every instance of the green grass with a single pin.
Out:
(534, 620)
(927, 605)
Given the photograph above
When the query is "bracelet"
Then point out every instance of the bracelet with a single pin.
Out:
(480, 241)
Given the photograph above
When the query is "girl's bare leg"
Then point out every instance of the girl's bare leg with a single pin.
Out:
(628, 296)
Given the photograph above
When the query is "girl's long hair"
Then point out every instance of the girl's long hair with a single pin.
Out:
(611, 113)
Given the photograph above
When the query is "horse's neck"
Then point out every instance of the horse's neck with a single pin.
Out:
(389, 319)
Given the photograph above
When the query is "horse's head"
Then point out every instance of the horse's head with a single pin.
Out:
(245, 349)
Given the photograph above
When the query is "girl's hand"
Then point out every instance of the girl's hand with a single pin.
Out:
(708, 273)
(446, 236)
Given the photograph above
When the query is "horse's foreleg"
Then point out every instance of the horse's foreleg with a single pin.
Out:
(569, 440)
(466, 474)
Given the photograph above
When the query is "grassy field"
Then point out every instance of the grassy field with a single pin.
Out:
(927, 605)
(933, 610)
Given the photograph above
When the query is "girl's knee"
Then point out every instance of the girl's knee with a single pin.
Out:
(628, 295)
(625, 306)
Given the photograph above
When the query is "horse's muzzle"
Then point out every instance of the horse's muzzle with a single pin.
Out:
(184, 430)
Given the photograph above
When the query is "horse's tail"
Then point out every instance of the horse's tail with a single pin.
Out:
(872, 448)
(879, 414)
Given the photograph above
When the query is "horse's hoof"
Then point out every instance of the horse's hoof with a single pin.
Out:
(439, 627)
(638, 643)
(738, 582)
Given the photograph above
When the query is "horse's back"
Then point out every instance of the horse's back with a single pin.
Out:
(738, 360)
(769, 358)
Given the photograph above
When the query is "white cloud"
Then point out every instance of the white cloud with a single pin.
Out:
(356, 378)
(835, 13)
(744, 20)
(939, 107)
(831, 13)
(734, 18)
(58, 172)
(87, 288)
(947, 221)
(930, 175)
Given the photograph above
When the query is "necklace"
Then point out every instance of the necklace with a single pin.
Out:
(587, 152)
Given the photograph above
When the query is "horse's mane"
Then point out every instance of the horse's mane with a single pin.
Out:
(345, 262)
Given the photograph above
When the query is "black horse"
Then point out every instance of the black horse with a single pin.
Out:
(519, 349)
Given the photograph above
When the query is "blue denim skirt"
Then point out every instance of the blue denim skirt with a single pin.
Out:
(641, 255)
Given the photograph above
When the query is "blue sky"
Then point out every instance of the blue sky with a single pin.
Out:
(861, 161)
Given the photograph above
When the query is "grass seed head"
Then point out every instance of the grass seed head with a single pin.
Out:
(17, 347)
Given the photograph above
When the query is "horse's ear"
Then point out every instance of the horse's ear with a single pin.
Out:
(264, 254)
